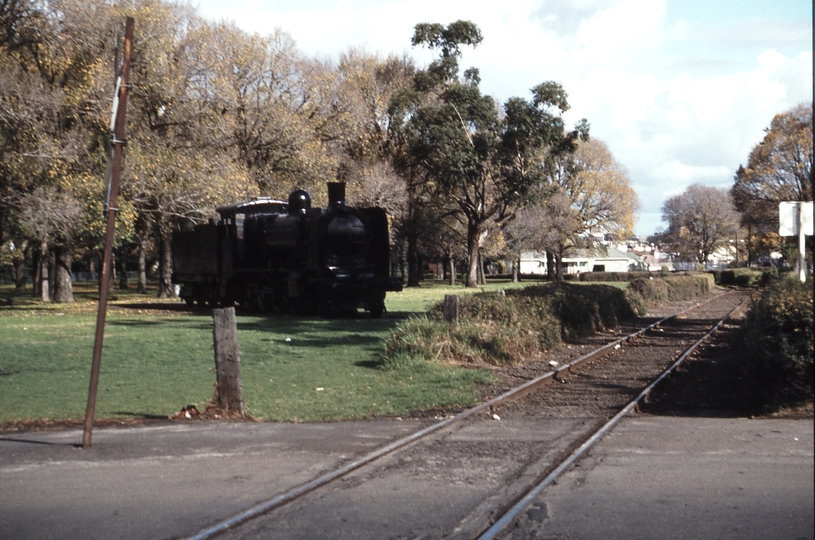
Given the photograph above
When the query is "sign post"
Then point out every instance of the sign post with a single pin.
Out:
(795, 219)
(118, 121)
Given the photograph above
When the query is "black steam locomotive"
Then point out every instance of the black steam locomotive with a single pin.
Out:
(289, 257)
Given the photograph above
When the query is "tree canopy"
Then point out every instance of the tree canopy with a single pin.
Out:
(487, 160)
(217, 115)
(701, 220)
(778, 169)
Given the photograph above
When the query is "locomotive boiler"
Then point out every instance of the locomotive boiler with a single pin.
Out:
(270, 255)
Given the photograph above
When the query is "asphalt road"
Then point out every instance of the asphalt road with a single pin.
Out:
(685, 478)
(165, 481)
(652, 477)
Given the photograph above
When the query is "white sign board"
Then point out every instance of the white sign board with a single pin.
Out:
(788, 218)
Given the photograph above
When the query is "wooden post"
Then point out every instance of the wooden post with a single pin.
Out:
(450, 307)
(120, 108)
(227, 360)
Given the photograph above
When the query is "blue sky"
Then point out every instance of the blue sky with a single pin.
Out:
(680, 90)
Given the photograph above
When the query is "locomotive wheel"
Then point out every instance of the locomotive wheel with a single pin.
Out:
(328, 310)
(377, 309)
(262, 303)
(262, 298)
(376, 304)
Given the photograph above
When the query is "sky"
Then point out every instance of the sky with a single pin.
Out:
(679, 90)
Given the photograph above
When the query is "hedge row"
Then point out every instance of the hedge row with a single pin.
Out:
(644, 293)
(743, 277)
(506, 328)
(776, 342)
(612, 276)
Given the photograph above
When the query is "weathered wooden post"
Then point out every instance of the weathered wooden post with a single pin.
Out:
(118, 141)
(228, 361)
(451, 307)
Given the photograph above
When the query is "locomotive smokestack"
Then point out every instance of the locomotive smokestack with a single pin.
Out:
(336, 193)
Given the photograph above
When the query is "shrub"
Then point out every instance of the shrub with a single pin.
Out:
(652, 291)
(747, 278)
(776, 340)
(636, 301)
(743, 277)
(583, 308)
(505, 329)
(767, 276)
(611, 276)
(689, 286)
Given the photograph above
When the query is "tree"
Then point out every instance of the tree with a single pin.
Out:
(588, 196)
(701, 220)
(779, 169)
(550, 227)
(486, 164)
(52, 123)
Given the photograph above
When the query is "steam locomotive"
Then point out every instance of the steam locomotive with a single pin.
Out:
(270, 255)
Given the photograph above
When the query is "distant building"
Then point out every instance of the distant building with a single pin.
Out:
(583, 260)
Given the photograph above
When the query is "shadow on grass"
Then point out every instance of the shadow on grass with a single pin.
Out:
(356, 340)
(291, 325)
(370, 364)
(161, 307)
(160, 322)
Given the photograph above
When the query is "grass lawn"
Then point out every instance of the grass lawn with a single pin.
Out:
(154, 363)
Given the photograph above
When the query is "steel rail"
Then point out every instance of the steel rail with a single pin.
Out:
(515, 393)
(523, 503)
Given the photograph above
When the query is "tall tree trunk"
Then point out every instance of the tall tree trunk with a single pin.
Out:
(402, 263)
(142, 287)
(413, 258)
(550, 265)
(122, 263)
(52, 272)
(63, 290)
(473, 255)
(749, 245)
(559, 265)
(452, 270)
(18, 267)
(36, 289)
(18, 275)
(165, 285)
(45, 292)
(516, 265)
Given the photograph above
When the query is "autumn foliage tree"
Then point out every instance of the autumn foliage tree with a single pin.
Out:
(779, 169)
(217, 115)
(588, 196)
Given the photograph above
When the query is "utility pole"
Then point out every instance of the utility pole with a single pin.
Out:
(118, 141)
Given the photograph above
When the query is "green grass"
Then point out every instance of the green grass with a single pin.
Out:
(154, 364)
(418, 300)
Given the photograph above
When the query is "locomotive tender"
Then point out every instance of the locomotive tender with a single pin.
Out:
(269, 255)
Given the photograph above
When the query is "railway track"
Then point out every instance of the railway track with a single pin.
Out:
(470, 475)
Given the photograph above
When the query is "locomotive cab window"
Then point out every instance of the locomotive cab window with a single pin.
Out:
(239, 219)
